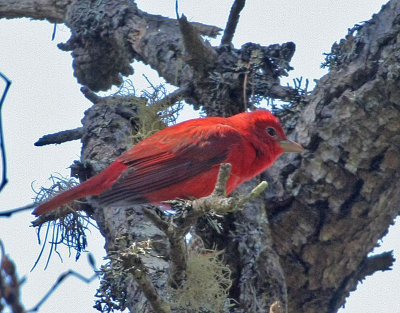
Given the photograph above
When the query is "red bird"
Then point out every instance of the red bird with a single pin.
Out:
(182, 161)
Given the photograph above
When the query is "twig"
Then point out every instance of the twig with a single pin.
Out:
(172, 97)
(90, 95)
(61, 278)
(53, 35)
(17, 210)
(180, 225)
(177, 247)
(232, 22)
(60, 137)
(254, 193)
(162, 225)
(4, 179)
(206, 30)
(222, 179)
(177, 9)
(218, 202)
(133, 263)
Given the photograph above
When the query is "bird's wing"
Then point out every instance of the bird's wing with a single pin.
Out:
(170, 157)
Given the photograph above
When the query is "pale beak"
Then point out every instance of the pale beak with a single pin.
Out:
(290, 146)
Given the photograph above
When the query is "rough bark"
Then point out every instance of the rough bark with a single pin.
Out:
(329, 208)
(306, 243)
(108, 35)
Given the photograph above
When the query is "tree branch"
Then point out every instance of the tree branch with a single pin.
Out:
(379, 262)
(233, 20)
(4, 179)
(133, 263)
(62, 278)
(201, 56)
(52, 10)
(60, 137)
(187, 215)
(17, 210)
(90, 95)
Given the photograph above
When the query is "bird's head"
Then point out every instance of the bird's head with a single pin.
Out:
(269, 131)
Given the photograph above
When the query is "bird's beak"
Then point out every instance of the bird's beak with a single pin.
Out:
(290, 146)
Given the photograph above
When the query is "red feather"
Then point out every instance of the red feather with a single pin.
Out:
(182, 161)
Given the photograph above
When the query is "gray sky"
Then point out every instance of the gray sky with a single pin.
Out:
(45, 98)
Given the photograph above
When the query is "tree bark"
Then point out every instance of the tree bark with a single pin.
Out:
(306, 243)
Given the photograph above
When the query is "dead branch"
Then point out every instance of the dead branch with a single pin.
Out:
(51, 10)
(177, 247)
(8, 213)
(132, 262)
(4, 179)
(173, 97)
(60, 137)
(201, 56)
(206, 30)
(90, 95)
(189, 212)
(233, 20)
(379, 262)
(62, 277)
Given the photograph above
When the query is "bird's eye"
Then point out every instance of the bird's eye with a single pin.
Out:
(271, 131)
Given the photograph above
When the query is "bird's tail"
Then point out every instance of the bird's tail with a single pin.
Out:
(93, 186)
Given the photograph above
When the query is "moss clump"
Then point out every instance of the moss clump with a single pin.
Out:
(156, 113)
(207, 284)
(68, 229)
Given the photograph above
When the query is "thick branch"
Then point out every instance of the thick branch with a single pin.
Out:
(52, 10)
(233, 20)
(330, 207)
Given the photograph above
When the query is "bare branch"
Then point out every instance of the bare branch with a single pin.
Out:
(90, 95)
(162, 225)
(380, 262)
(173, 97)
(206, 30)
(2, 148)
(17, 210)
(201, 56)
(187, 214)
(222, 179)
(233, 20)
(52, 10)
(177, 247)
(60, 279)
(60, 137)
(133, 263)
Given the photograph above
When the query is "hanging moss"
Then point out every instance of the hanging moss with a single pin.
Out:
(207, 284)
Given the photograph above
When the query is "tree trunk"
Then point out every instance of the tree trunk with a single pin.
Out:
(305, 243)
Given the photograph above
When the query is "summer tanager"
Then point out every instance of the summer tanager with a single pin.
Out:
(182, 161)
